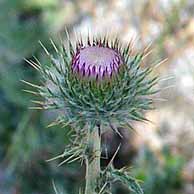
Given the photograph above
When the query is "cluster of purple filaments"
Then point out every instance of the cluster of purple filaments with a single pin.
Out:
(96, 62)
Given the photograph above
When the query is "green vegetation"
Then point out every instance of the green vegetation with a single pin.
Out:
(25, 141)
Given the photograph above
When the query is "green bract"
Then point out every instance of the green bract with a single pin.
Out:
(114, 100)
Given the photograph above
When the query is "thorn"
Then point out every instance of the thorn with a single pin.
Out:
(111, 161)
(73, 160)
(54, 123)
(146, 54)
(80, 40)
(134, 40)
(147, 47)
(100, 41)
(56, 157)
(75, 34)
(31, 92)
(30, 84)
(64, 161)
(54, 186)
(67, 33)
(34, 65)
(54, 46)
(171, 86)
(38, 102)
(167, 78)
(116, 43)
(160, 99)
(39, 64)
(103, 187)
(104, 41)
(66, 124)
(131, 128)
(161, 62)
(88, 40)
(46, 51)
(36, 108)
(115, 130)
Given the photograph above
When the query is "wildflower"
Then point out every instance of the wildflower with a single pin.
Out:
(97, 85)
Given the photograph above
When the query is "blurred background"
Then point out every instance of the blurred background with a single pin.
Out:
(161, 153)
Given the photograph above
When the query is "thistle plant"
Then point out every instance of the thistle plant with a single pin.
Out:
(96, 85)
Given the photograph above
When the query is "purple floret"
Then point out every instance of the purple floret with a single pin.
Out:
(96, 62)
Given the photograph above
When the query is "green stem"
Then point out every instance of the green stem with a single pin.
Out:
(93, 162)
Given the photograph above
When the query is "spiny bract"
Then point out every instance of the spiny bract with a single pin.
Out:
(98, 82)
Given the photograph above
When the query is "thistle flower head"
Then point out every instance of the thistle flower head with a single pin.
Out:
(96, 61)
(75, 86)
